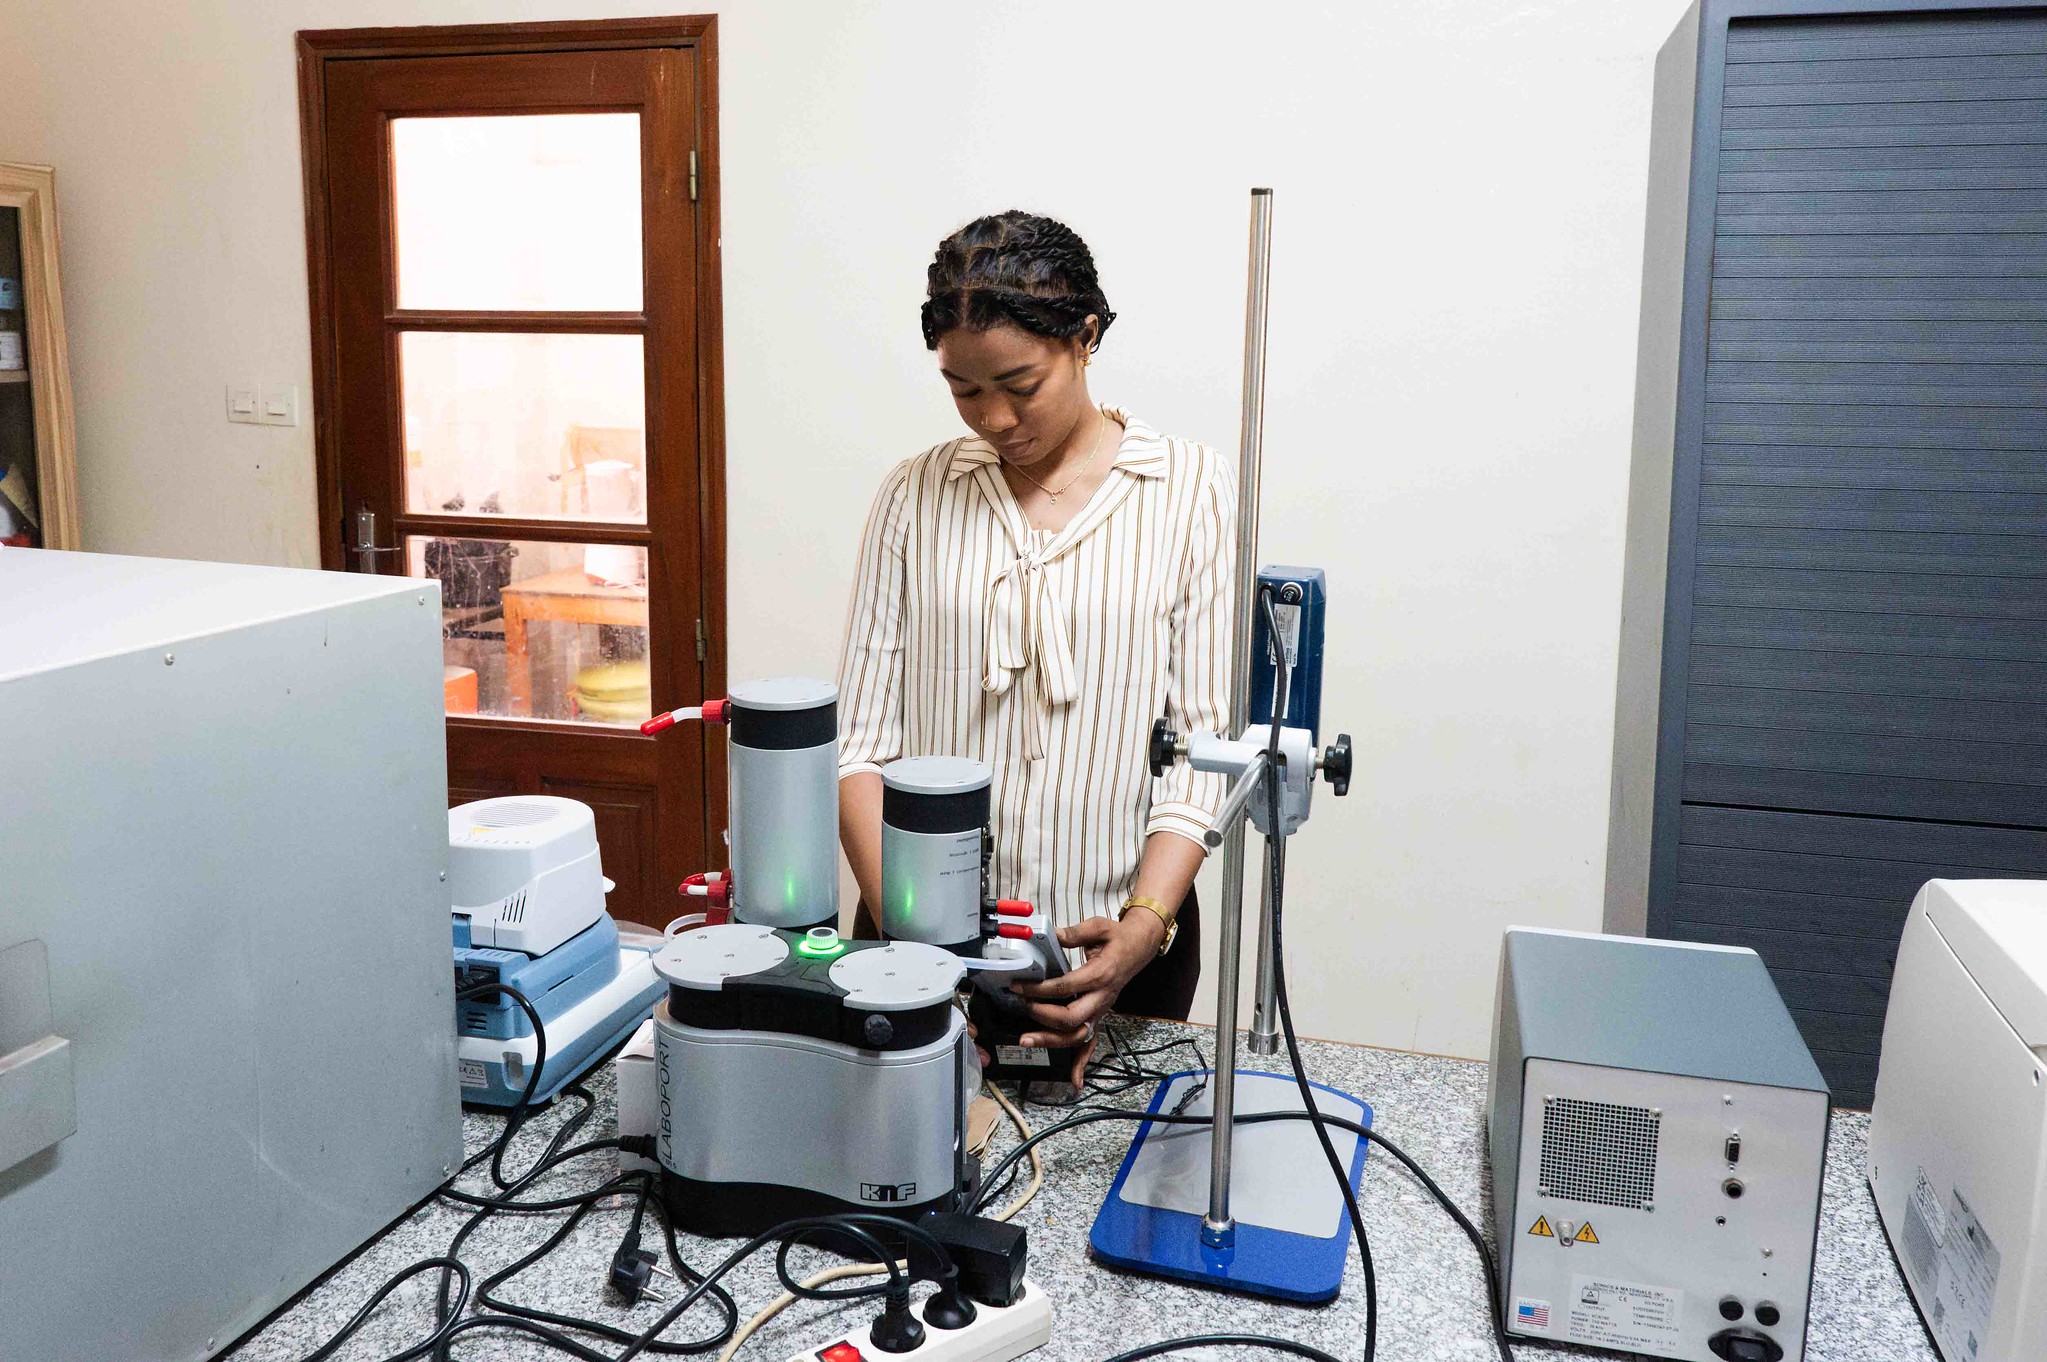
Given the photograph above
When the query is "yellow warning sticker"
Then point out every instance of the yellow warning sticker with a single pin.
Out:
(1541, 1227)
(1585, 1234)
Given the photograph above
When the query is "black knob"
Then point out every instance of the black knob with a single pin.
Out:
(1336, 764)
(1163, 741)
(1730, 1309)
(878, 1029)
(1767, 1315)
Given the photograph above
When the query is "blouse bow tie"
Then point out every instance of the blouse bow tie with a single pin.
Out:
(1028, 637)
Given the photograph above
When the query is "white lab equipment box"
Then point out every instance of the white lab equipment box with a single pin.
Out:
(227, 1052)
(1958, 1136)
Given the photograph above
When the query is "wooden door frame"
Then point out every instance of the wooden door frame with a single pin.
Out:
(698, 33)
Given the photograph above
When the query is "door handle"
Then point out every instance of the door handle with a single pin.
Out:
(38, 1088)
(365, 547)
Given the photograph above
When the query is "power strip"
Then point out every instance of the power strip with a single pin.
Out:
(997, 1334)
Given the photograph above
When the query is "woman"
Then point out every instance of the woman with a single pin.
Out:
(1033, 596)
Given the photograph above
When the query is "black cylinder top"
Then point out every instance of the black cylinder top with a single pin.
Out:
(935, 794)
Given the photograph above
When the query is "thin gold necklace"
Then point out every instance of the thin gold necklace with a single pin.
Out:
(1051, 493)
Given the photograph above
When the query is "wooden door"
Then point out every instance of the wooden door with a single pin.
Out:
(512, 263)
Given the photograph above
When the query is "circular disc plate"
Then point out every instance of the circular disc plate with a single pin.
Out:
(705, 957)
(936, 775)
(898, 976)
(783, 693)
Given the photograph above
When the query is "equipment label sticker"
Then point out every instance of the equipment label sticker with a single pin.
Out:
(1956, 1263)
(1530, 1313)
(1585, 1234)
(1024, 1055)
(1624, 1315)
(472, 1073)
(1541, 1227)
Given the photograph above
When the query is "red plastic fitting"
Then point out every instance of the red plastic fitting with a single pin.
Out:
(717, 711)
(1015, 931)
(660, 723)
(1013, 908)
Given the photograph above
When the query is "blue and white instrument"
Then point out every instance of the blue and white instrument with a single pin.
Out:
(528, 911)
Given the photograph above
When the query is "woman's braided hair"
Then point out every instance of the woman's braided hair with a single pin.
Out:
(1019, 268)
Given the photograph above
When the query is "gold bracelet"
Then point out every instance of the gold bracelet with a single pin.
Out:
(1156, 909)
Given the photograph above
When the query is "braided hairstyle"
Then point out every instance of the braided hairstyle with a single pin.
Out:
(1028, 271)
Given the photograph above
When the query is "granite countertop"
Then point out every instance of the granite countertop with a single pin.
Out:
(1431, 1291)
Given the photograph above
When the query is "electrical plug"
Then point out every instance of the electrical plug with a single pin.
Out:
(896, 1330)
(633, 1269)
(948, 1307)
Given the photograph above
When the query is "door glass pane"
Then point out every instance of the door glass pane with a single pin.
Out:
(540, 631)
(543, 427)
(531, 212)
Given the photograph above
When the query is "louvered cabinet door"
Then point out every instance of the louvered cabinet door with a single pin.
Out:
(1864, 702)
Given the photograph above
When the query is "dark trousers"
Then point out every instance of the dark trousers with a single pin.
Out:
(1164, 988)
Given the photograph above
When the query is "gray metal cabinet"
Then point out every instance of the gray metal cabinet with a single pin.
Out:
(1834, 671)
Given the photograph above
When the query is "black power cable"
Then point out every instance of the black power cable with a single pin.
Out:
(1275, 842)
(1173, 1345)
(450, 1320)
(441, 1332)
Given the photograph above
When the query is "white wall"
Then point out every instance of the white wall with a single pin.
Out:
(1455, 287)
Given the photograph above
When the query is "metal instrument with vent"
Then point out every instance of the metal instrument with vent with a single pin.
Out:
(527, 893)
(1658, 1130)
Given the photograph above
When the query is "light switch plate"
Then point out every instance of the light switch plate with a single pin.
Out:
(279, 406)
(243, 405)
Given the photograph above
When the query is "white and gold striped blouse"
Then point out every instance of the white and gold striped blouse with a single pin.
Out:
(1048, 655)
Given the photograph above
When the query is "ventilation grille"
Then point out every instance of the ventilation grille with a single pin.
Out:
(1599, 1152)
(511, 815)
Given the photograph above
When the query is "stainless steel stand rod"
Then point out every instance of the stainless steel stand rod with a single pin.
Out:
(1264, 1035)
(1218, 1226)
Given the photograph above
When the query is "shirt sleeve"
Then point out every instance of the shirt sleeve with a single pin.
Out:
(871, 664)
(1184, 800)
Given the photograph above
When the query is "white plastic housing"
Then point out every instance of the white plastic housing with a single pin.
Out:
(1958, 1135)
(524, 869)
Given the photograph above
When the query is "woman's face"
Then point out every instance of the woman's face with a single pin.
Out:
(1022, 393)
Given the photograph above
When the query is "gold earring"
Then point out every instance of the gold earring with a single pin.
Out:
(1086, 359)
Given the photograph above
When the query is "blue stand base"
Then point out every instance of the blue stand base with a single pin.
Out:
(1292, 1235)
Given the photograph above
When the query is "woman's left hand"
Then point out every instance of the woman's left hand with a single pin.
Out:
(1069, 1005)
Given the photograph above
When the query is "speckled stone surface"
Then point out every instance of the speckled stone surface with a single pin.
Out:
(1431, 1291)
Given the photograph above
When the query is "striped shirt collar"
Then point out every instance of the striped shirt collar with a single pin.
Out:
(1142, 452)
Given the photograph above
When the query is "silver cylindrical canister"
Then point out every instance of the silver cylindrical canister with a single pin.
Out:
(783, 760)
(934, 821)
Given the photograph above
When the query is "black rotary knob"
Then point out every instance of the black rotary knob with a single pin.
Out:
(878, 1029)
(1336, 764)
(1163, 742)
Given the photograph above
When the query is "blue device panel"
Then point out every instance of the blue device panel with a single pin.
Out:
(1301, 600)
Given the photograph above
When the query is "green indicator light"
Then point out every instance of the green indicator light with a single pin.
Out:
(821, 943)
